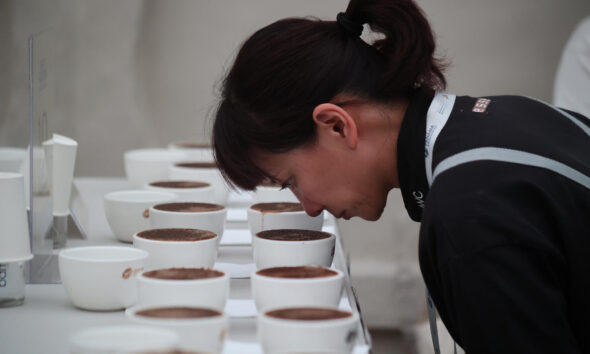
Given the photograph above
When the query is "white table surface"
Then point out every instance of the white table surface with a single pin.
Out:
(47, 319)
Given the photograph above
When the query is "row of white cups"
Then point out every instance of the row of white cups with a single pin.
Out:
(116, 277)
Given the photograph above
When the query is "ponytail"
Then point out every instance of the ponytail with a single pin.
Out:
(407, 44)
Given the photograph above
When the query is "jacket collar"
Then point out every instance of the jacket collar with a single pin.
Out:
(411, 165)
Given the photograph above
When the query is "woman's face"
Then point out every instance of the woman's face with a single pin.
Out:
(345, 182)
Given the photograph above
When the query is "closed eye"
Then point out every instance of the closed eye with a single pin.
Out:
(287, 184)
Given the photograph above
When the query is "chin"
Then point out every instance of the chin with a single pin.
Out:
(374, 215)
(371, 218)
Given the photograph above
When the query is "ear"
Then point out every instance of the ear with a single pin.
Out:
(335, 122)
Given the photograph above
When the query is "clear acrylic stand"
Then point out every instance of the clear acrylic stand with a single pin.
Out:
(48, 232)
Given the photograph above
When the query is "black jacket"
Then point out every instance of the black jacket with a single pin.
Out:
(504, 246)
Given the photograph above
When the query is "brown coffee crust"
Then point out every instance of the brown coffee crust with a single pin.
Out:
(277, 207)
(308, 314)
(197, 164)
(293, 235)
(298, 272)
(176, 234)
(183, 273)
(178, 312)
(189, 207)
(179, 184)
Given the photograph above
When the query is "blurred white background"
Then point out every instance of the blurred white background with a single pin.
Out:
(132, 74)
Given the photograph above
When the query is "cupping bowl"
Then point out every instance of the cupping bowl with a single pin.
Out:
(143, 166)
(101, 277)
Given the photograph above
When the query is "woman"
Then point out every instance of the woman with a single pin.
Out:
(500, 184)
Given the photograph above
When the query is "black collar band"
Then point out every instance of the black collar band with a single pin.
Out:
(411, 166)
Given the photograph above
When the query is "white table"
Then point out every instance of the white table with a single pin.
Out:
(47, 319)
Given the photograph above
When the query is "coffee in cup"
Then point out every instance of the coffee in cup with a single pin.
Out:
(178, 247)
(206, 171)
(183, 273)
(308, 330)
(293, 235)
(202, 287)
(200, 328)
(281, 215)
(277, 207)
(179, 184)
(178, 312)
(293, 247)
(296, 286)
(176, 234)
(186, 190)
(300, 272)
(205, 216)
(308, 314)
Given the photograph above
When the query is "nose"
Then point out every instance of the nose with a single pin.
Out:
(311, 208)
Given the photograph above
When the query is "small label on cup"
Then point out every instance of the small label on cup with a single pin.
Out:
(127, 273)
(2, 275)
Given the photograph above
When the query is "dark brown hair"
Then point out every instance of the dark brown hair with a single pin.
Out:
(284, 70)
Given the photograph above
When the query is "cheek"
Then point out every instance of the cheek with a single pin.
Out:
(311, 187)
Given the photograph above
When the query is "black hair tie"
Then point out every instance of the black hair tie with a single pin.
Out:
(349, 25)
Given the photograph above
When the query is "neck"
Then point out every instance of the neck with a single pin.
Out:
(395, 117)
(379, 127)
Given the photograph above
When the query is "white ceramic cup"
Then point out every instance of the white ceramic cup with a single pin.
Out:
(281, 215)
(296, 286)
(200, 287)
(14, 225)
(12, 159)
(282, 247)
(187, 191)
(278, 335)
(127, 212)
(15, 246)
(147, 165)
(123, 339)
(200, 334)
(202, 171)
(204, 216)
(101, 277)
(167, 248)
(195, 150)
